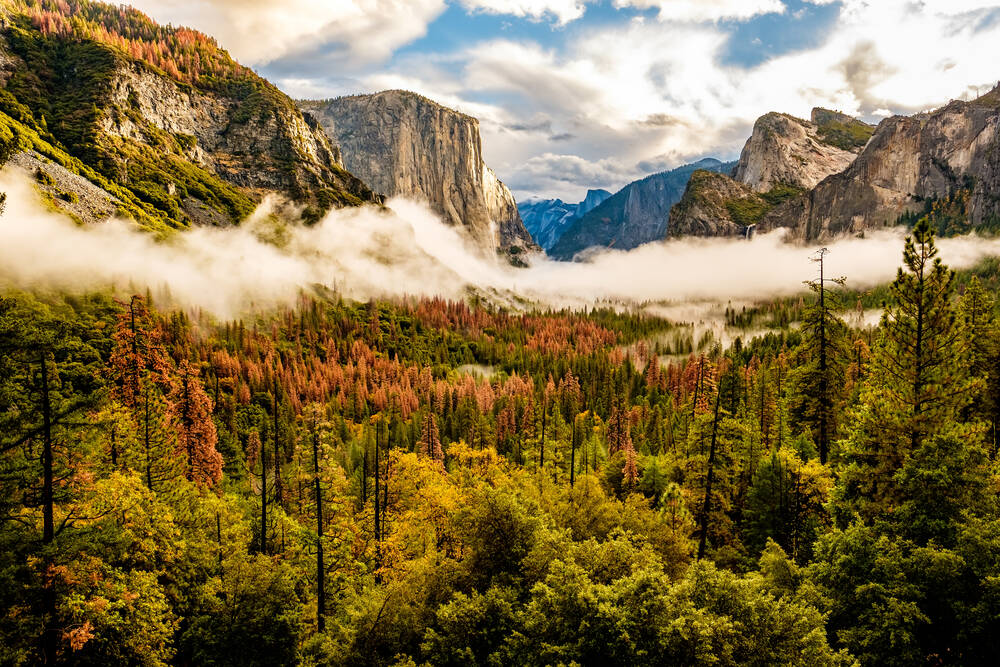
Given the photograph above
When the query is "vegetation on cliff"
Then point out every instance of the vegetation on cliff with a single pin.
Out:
(715, 204)
(841, 130)
(58, 100)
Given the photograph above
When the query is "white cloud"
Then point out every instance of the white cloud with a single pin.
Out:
(551, 172)
(261, 31)
(669, 97)
(563, 11)
(357, 32)
(953, 7)
(406, 250)
(706, 10)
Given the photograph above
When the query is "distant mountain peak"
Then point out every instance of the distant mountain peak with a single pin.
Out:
(547, 219)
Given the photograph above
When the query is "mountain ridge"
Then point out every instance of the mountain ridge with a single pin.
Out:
(547, 219)
(636, 214)
(159, 117)
(909, 160)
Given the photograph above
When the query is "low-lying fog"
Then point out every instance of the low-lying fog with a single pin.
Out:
(407, 251)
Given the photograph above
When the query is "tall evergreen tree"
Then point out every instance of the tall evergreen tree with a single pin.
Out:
(196, 434)
(138, 353)
(980, 338)
(820, 378)
(917, 386)
(430, 438)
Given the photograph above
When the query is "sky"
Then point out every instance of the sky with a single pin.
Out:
(579, 94)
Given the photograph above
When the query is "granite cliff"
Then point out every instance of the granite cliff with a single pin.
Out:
(909, 162)
(785, 150)
(403, 144)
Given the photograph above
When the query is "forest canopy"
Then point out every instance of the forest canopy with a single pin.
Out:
(429, 482)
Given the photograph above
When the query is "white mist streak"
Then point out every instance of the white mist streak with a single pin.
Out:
(408, 251)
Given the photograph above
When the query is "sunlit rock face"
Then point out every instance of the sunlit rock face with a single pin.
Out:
(907, 161)
(403, 144)
(784, 150)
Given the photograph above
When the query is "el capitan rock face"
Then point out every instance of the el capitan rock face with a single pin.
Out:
(403, 144)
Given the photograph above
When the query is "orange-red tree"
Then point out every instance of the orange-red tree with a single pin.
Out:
(196, 435)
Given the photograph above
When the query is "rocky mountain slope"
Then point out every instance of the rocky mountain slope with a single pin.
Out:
(949, 154)
(634, 215)
(784, 157)
(785, 150)
(401, 143)
(159, 118)
(547, 219)
(715, 205)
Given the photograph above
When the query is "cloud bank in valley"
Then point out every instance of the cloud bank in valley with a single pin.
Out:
(408, 251)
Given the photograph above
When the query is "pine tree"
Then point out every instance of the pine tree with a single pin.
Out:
(979, 333)
(653, 375)
(142, 376)
(618, 430)
(917, 387)
(196, 434)
(313, 417)
(630, 471)
(256, 453)
(430, 438)
(153, 455)
(820, 379)
(709, 479)
(786, 503)
(137, 353)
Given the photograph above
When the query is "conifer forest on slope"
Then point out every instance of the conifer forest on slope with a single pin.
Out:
(430, 482)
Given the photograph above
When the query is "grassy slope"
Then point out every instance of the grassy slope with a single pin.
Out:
(842, 131)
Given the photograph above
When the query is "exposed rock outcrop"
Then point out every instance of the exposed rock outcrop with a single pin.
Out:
(715, 205)
(907, 160)
(784, 150)
(271, 149)
(501, 209)
(175, 138)
(64, 190)
(403, 144)
(636, 214)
